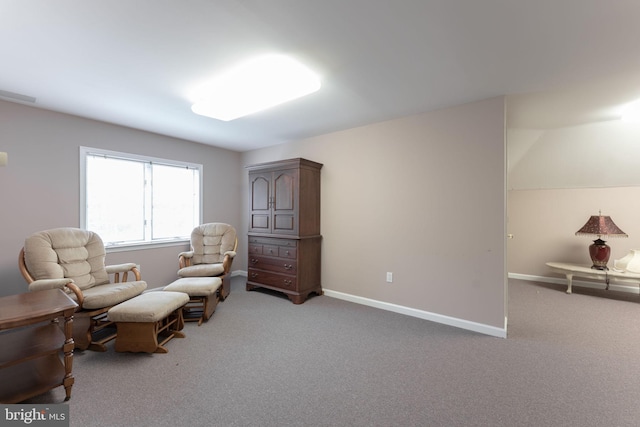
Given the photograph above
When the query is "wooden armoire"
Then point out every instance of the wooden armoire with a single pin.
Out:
(284, 228)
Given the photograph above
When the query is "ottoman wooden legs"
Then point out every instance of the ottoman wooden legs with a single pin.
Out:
(143, 337)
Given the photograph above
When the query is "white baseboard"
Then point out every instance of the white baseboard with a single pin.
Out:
(433, 317)
(582, 283)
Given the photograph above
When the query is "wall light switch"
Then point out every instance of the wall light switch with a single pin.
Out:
(389, 276)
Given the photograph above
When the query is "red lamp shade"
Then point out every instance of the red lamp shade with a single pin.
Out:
(599, 251)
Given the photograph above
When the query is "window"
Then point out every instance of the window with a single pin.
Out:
(138, 200)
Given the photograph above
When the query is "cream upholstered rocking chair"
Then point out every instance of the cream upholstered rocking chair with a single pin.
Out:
(213, 247)
(72, 259)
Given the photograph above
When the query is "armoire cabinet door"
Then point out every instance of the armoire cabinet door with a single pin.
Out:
(284, 202)
(274, 202)
(260, 184)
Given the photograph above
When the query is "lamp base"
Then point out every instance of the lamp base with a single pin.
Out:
(599, 252)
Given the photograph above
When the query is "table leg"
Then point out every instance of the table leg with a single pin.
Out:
(68, 356)
(569, 282)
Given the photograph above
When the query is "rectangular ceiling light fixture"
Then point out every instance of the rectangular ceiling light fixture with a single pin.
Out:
(631, 112)
(255, 86)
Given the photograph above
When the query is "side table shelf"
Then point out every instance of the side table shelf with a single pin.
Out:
(36, 351)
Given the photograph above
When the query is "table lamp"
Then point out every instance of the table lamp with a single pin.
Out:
(599, 251)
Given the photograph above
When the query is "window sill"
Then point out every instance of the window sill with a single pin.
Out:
(144, 246)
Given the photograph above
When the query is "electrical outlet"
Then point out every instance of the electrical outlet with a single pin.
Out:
(389, 276)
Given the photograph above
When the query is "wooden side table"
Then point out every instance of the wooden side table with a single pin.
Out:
(30, 344)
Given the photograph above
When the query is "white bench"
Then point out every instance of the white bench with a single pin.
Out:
(570, 270)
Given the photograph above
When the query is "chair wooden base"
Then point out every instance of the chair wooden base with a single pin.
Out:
(225, 289)
(200, 308)
(144, 336)
(92, 329)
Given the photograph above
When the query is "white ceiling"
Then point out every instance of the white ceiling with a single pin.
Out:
(138, 63)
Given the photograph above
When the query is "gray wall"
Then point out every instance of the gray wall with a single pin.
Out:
(39, 188)
(422, 197)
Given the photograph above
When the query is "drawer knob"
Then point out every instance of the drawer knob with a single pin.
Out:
(286, 252)
(254, 275)
(288, 266)
(287, 282)
(254, 261)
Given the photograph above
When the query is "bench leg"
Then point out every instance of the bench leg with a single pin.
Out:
(569, 282)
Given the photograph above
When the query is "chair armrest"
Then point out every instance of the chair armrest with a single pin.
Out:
(125, 268)
(228, 259)
(184, 259)
(43, 284)
(120, 268)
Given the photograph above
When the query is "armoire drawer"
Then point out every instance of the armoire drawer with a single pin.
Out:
(268, 278)
(286, 248)
(287, 252)
(278, 265)
(273, 241)
(270, 250)
(255, 249)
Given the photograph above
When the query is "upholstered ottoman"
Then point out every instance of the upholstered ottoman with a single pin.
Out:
(204, 294)
(142, 319)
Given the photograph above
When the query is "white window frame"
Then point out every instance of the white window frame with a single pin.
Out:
(126, 246)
